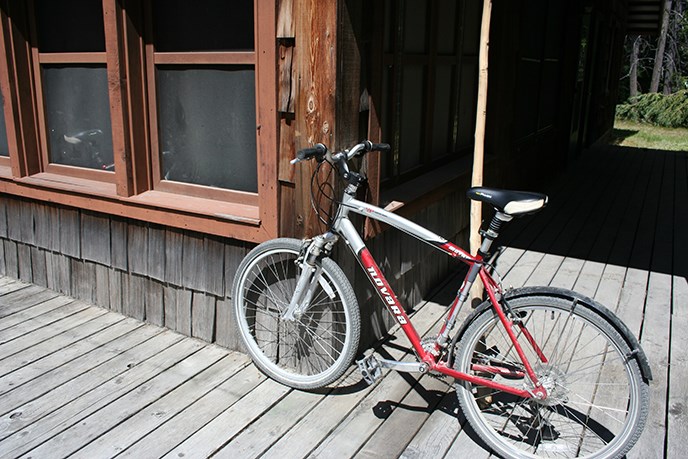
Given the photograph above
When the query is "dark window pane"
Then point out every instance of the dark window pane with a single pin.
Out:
(549, 106)
(532, 39)
(203, 25)
(441, 118)
(446, 30)
(468, 90)
(390, 29)
(415, 28)
(70, 26)
(207, 119)
(77, 111)
(555, 25)
(411, 117)
(528, 84)
(472, 18)
(387, 126)
(4, 149)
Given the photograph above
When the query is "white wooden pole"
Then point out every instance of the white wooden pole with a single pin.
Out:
(479, 150)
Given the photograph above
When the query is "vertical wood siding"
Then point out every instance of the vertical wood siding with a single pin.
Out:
(160, 275)
(181, 279)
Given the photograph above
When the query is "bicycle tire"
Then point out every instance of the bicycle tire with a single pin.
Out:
(306, 353)
(598, 400)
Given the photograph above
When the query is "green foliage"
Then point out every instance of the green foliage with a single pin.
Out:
(657, 109)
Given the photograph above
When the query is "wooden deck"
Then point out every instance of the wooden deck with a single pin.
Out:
(79, 380)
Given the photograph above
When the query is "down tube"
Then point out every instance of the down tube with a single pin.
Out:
(389, 298)
(376, 277)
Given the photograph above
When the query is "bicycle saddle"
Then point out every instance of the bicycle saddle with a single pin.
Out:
(509, 202)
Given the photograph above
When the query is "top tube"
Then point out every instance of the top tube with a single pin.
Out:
(349, 203)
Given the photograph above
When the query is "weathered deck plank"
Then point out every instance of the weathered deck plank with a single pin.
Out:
(22, 297)
(170, 405)
(173, 432)
(99, 387)
(59, 308)
(677, 423)
(407, 417)
(58, 344)
(124, 408)
(218, 432)
(38, 315)
(26, 340)
(32, 369)
(438, 432)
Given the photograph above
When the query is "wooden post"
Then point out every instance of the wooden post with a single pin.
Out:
(479, 150)
(324, 67)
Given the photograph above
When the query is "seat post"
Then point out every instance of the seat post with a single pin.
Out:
(492, 232)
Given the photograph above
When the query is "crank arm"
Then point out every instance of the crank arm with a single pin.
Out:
(405, 367)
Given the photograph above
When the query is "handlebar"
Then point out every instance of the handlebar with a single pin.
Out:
(320, 152)
(341, 159)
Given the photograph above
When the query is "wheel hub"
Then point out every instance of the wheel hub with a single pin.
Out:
(554, 382)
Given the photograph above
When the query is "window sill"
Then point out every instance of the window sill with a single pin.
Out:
(230, 219)
(235, 212)
(71, 184)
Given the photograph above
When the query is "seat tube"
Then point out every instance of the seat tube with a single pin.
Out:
(461, 297)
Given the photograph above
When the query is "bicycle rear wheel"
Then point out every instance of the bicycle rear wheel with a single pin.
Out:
(307, 352)
(597, 399)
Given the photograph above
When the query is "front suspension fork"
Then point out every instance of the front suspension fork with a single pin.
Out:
(311, 276)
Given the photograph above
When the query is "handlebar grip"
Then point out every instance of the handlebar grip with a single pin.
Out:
(318, 151)
(382, 147)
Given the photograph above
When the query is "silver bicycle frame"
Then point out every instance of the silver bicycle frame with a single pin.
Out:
(310, 274)
(343, 225)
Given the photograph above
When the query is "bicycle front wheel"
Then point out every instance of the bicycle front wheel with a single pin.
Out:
(597, 399)
(307, 352)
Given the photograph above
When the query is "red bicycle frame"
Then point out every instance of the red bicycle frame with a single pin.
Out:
(476, 265)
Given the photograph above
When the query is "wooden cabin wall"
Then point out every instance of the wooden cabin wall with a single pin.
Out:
(164, 276)
(181, 279)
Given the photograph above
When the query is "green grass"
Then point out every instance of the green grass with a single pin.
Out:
(640, 135)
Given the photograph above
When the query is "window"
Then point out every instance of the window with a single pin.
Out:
(4, 147)
(147, 109)
(202, 92)
(72, 86)
(429, 84)
(538, 72)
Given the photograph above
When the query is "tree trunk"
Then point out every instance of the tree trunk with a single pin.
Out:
(659, 55)
(669, 70)
(671, 53)
(633, 83)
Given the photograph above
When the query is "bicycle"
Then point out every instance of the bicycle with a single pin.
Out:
(538, 371)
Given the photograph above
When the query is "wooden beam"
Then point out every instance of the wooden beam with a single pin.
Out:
(315, 71)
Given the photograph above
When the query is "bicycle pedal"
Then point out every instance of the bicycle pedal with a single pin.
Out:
(370, 369)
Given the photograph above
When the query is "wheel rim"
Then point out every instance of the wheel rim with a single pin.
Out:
(300, 351)
(594, 397)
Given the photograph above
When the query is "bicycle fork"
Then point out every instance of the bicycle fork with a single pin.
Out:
(311, 276)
